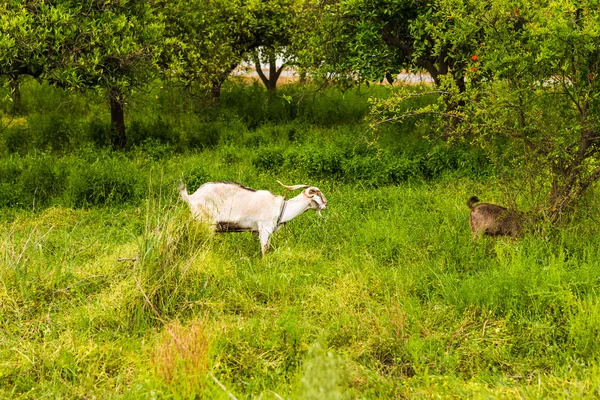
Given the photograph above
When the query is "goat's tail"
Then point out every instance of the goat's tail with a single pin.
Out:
(183, 192)
(472, 200)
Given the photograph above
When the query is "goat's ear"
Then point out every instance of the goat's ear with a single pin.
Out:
(310, 192)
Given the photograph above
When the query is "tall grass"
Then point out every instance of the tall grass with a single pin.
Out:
(108, 288)
(373, 305)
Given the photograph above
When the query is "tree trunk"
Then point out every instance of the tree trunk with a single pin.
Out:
(452, 105)
(117, 118)
(270, 82)
(215, 91)
(273, 75)
(570, 181)
(303, 77)
(389, 78)
(15, 94)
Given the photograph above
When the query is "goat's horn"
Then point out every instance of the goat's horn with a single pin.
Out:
(295, 187)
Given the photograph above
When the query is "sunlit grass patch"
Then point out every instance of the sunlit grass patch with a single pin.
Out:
(181, 357)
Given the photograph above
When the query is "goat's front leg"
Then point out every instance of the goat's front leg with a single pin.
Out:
(264, 235)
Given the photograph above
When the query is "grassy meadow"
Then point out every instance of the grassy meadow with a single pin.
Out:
(109, 290)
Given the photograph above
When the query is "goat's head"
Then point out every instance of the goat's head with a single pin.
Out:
(318, 201)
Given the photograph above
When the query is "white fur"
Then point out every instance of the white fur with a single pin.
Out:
(257, 211)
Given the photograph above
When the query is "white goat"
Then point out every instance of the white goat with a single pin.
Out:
(231, 207)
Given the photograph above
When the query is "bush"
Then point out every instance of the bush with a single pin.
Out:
(194, 178)
(17, 140)
(403, 169)
(254, 106)
(30, 182)
(334, 107)
(442, 158)
(320, 162)
(158, 130)
(356, 163)
(370, 170)
(204, 135)
(154, 150)
(41, 182)
(268, 159)
(110, 179)
(10, 173)
(99, 132)
(51, 132)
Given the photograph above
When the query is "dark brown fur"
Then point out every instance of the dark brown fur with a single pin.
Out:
(494, 220)
(236, 184)
(229, 227)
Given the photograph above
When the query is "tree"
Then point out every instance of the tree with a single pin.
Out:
(532, 97)
(367, 39)
(208, 40)
(25, 37)
(111, 45)
(268, 55)
(199, 45)
(280, 23)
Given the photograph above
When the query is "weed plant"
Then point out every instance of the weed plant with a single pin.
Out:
(108, 288)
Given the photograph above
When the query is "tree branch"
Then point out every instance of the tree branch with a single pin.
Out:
(259, 71)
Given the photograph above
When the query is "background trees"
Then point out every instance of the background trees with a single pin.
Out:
(206, 41)
(519, 81)
(108, 45)
(29, 35)
(113, 46)
(372, 39)
(531, 93)
(200, 39)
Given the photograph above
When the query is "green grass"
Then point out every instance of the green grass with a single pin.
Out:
(387, 295)
(109, 290)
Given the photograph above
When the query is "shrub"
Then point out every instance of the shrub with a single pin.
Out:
(319, 162)
(367, 169)
(30, 182)
(195, 177)
(268, 159)
(334, 107)
(155, 150)
(10, 191)
(402, 169)
(442, 158)
(252, 105)
(17, 140)
(110, 179)
(204, 135)
(99, 132)
(51, 132)
(41, 181)
(230, 155)
(158, 130)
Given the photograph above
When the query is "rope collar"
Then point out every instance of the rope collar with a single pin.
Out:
(283, 205)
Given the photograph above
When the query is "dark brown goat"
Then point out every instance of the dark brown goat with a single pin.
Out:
(494, 220)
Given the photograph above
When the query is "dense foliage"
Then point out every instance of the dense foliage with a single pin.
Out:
(531, 97)
(108, 289)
